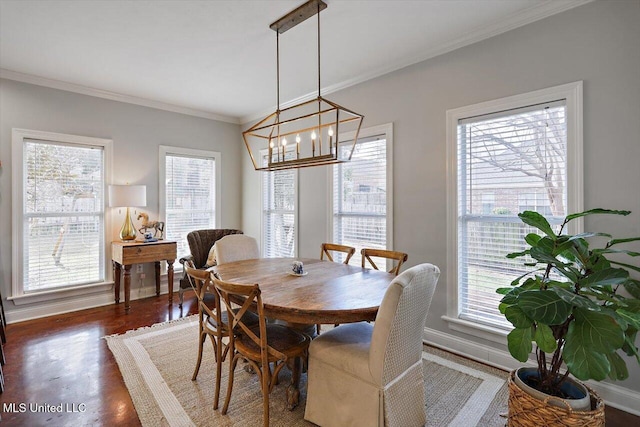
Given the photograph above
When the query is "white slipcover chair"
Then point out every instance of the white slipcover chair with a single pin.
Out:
(236, 247)
(371, 375)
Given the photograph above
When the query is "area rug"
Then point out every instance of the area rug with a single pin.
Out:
(157, 363)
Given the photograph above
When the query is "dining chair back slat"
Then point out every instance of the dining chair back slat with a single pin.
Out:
(399, 258)
(327, 248)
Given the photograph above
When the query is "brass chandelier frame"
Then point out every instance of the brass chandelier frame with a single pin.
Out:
(306, 118)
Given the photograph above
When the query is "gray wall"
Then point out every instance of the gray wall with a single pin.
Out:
(136, 133)
(598, 43)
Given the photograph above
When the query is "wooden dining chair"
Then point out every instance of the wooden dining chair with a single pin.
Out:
(327, 248)
(371, 375)
(399, 257)
(260, 344)
(212, 322)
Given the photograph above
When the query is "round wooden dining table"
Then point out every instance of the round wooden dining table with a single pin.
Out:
(328, 292)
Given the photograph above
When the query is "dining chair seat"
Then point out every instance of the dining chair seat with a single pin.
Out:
(279, 337)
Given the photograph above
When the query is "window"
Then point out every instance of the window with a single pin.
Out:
(189, 192)
(361, 193)
(506, 156)
(279, 212)
(59, 232)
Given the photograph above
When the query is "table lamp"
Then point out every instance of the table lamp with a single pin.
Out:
(126, 196)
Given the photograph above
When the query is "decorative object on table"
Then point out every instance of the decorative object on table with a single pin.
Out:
(572, 307)
(126, 196)
(297, 267)
(157, 226)
(148, 237)
(305, 134)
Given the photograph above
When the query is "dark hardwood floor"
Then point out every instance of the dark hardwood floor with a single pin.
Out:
(63, 360)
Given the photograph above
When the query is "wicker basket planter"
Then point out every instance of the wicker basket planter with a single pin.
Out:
(528, 411)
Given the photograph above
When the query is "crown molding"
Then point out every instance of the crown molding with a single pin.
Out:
(113, 96)
(511, 22)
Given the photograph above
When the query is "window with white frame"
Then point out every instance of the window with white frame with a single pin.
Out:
(279, 212)
(361, 197)
(59, 211)
(506, 156)
(189, 192)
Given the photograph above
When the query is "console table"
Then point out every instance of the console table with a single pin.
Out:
(125, 254)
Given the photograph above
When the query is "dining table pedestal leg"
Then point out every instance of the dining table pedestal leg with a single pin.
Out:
(293, 390)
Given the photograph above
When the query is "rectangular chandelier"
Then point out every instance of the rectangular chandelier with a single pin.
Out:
(305, 134)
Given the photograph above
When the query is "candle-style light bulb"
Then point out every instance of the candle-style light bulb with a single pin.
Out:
(313, 135)
(313, 143)
(284, 142)
(271, 144)
(330, 132)
(298, 138)
(298, 145)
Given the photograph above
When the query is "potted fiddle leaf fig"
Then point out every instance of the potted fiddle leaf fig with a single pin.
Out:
(580, 306)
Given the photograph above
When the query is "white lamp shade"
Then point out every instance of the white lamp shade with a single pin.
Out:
(127, 196)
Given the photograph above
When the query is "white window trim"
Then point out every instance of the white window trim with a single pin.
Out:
(296, 213)
(572, 92)
(386, 130)
(17, 193)
(162, 184)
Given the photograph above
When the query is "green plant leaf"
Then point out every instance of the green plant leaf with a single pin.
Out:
(595, 211)
(503, 291)
(536, 220)
(615, 251)
(631, 318)
(544, 339)
(516, 316)
(583, 362)
(617, 241)
(587, 235)
(575, 299)
(618, 370)
(532, 239)
(517, 254)
(519, 343)
(544, 306)
(597, 331)
(633, 287)
(609, 276)
(629, 346)
(629, 266)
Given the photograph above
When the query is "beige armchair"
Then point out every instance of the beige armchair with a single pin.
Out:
(371, 375)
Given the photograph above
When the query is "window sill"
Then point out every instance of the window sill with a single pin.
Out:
(489, 333)
(41, 296)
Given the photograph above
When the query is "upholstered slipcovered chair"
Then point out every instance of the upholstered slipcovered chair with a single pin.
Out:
(371, 375)
(236, 248)
(200, 244)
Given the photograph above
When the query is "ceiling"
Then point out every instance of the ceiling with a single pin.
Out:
(217, 59)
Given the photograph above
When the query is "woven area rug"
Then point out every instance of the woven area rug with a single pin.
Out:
(157, 363)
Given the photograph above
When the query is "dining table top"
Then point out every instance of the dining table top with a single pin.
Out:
(328, 292)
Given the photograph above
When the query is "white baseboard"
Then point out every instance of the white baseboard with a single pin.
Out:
(62, 306)
(614, 395)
